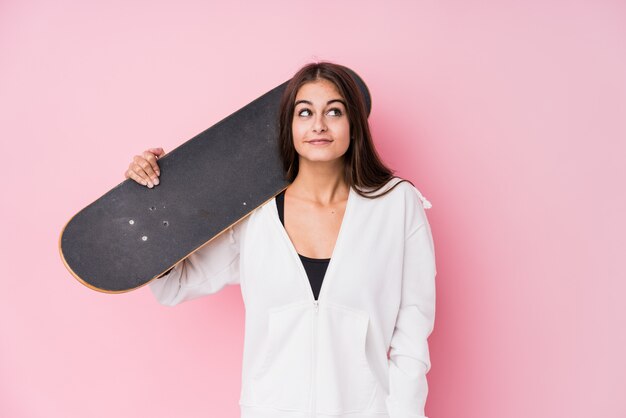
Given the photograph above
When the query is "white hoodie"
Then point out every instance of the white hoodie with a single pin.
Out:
(360, 350)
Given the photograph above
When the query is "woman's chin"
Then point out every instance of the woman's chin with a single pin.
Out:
(320, 158)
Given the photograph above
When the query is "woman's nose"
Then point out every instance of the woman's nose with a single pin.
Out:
(319, 124)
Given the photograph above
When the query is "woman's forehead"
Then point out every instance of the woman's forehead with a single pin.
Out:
(320, 88)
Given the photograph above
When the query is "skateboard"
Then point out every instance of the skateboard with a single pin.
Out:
(133, 234)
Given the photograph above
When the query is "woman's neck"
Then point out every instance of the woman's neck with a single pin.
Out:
(321, 182)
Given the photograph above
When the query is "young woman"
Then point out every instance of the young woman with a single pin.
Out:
(337, 273)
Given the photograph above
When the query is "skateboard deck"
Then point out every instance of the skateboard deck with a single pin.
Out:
(133, 234)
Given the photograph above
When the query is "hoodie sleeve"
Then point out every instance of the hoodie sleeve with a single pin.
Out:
(409, 358)
(204, 272)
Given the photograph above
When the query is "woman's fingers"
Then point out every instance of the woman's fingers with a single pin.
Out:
(144, 168)
(152, 159)
(140, 174)
(131, 174)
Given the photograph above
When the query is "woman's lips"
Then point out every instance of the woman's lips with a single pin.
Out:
(319, 141)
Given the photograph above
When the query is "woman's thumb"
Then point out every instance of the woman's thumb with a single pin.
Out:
(158, 152)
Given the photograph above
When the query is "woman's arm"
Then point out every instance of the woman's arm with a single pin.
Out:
(204, 272)
(409, 357)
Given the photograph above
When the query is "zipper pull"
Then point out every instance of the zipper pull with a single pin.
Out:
(316, 305)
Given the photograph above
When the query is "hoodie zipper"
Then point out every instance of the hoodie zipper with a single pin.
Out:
(314, 365)
(303, 274)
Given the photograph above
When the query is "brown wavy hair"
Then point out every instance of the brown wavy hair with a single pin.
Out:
(363, 168)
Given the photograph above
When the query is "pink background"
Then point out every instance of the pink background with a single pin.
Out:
(510, 117)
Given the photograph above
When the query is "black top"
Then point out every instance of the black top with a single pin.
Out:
(315, 267)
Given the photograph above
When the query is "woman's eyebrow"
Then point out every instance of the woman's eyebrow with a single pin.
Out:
(327, 103)
(337, 100)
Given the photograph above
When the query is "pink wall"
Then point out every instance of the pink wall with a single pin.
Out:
(510, 118)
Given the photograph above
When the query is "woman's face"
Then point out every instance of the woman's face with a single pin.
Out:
(320, 127)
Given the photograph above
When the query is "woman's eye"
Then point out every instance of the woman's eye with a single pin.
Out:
(335, 112)
(304, 112)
